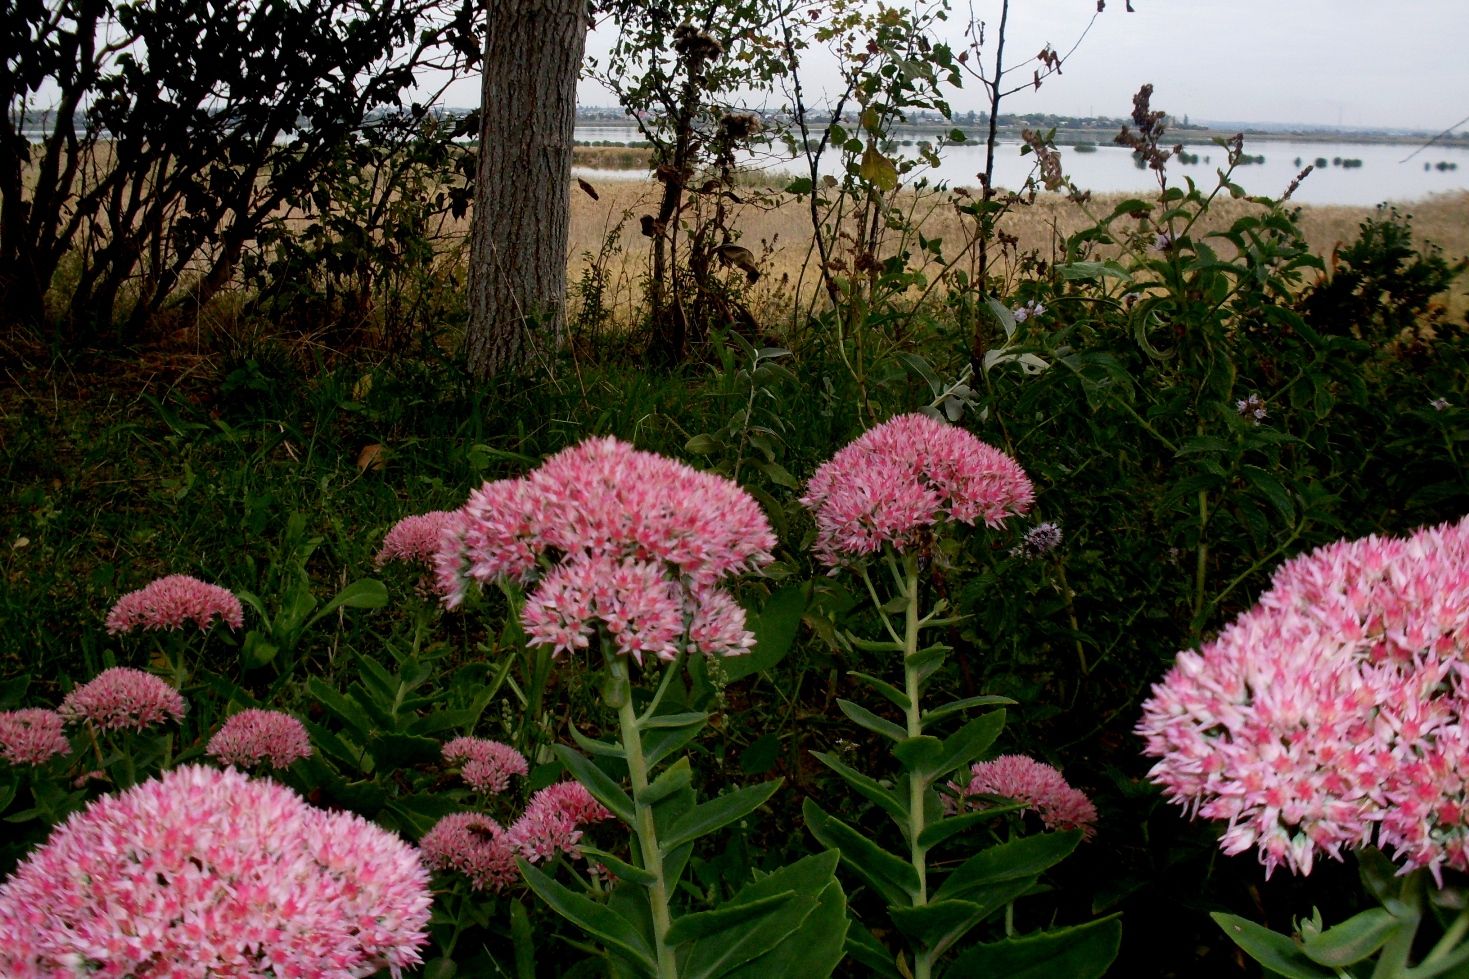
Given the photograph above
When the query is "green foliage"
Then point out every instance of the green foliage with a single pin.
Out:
(167, 157)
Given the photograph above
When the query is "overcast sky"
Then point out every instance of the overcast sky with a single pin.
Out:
(1360, 63)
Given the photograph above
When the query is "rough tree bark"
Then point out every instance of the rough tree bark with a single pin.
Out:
(522, 212)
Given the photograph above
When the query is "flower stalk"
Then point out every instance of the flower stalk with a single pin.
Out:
(644, 829)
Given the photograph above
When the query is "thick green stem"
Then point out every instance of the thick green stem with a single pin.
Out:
(1392, 962)
(645, 831)
(917, 781)
(1447, 953)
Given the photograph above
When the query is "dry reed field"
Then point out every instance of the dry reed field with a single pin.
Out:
(777, 228)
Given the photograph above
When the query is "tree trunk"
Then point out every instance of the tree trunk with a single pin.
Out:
(522, 212)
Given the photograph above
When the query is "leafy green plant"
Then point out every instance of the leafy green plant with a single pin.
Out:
(295, 604)
(926, 469)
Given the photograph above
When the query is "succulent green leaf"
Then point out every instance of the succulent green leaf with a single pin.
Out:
(891, 876)
(896, 697)
(1354, 939)
(777, 940)
(717, 813)
(595, 919)
(1271, 949)
(869, 787)
(620, 867)
(1079, 952)
(597, 782)
(863, 717)
(1025, 857)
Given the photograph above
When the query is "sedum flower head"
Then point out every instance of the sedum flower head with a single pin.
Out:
(614, 539)
(31, 736)
(474, 845)
(224, 874)
(552, 822)
(906, 475)
(170, 602)
(123, 698)
(416, 539)
(486, 765)
(1039, 786)
(260, 737)
(1333, 714)
(635, 601)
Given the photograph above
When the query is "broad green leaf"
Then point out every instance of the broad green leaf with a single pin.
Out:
(920, 756)
(776, 473)
(921, 367)
(1079, 952)
(1027, 856)
(672, 720)
(968, 743)
(340, 706)
(257, 650)
(659, 743)
(956, 706)
(863, 717)
(376, 678)
(1379, 874)
(703, 445)
(815, 948)
(775, 627)
(873, 645)
(703, 924)
(595, 919)
(1002, 313)
(1272, 950)
(929, 925)
(1354, 939)
(935, 833)
(597, 782)
(366, 593)
(863, 947)
(594, 747)
(892, 877)
(718, 812)
(620, 867)
(674, 779)
(896, 697)
(1272, 490)
(391, 750)
(868, 787)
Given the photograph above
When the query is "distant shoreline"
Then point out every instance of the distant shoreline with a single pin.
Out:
(1103, 132)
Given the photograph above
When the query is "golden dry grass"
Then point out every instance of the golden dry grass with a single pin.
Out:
(780, 233)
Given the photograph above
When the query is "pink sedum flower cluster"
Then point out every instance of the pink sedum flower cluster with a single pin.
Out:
(1039, 786)
(208, 872)
(1335, 713)
(260, 737)
(471, 844)
(486, 765)
(475, 845)
(417, 539)
(552, 822)
(123, 698)
(32, 736)
(906, 475)
(170, 602)
(612, 537)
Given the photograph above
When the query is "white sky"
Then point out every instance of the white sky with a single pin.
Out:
(1360, 63)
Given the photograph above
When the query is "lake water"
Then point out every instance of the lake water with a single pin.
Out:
(1382, 175)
